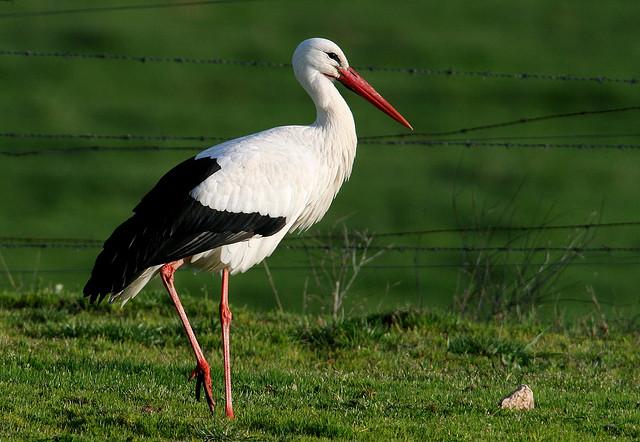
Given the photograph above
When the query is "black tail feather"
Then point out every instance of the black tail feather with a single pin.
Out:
(115, 266)
(168, 225)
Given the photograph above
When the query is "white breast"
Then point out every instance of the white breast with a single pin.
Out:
(269, 173)
(289, 171)
(278, 173)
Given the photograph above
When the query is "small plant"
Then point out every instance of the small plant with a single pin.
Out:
(342, 255)
(496, 283)
(596, 324)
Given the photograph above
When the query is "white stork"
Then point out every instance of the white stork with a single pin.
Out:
(227, 208)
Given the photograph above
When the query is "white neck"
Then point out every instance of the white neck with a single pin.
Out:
(334, 135)
(334, 121)
(330, 106)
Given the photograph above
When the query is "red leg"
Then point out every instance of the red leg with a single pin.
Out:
(225, 320)
(202, 371)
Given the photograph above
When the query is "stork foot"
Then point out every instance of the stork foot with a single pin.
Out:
(202, 374)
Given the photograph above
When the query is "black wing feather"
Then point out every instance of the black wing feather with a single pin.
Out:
(168, 225)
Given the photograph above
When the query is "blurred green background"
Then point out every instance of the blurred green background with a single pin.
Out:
(392, 188)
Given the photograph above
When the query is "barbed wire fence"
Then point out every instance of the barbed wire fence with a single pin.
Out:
(382, 140)
(620, 255)
(601, 256)
(289, 244)
(44, 242)
(254, 63)
(12, 242)
(31, 151)
(125, 7)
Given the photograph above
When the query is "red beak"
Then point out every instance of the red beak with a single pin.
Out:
(352, 80)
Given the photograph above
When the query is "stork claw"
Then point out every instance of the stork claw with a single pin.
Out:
(202, 374)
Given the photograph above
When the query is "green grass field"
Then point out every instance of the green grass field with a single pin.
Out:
(70, 371)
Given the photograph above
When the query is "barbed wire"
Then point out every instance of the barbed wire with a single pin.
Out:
(414, 71)
(145, 58)
(502, 124)
(86, 149)
(297, 267)
(422, 143)
(110, 137)
(100, 9)
(370, 139)
(203, 138)
(468, 249)
(550, 136)
(14, 242)
(44, 242)
(506, 145)
(490, 228)
(502, 75)
(9, 243)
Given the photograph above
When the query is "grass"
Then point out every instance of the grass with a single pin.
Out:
(392, 189)
(72, 371)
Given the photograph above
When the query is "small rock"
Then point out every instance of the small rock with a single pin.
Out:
(520, 399)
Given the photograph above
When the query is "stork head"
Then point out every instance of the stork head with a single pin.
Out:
(319, 58)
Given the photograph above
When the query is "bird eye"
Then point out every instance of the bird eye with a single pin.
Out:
(334, 56)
